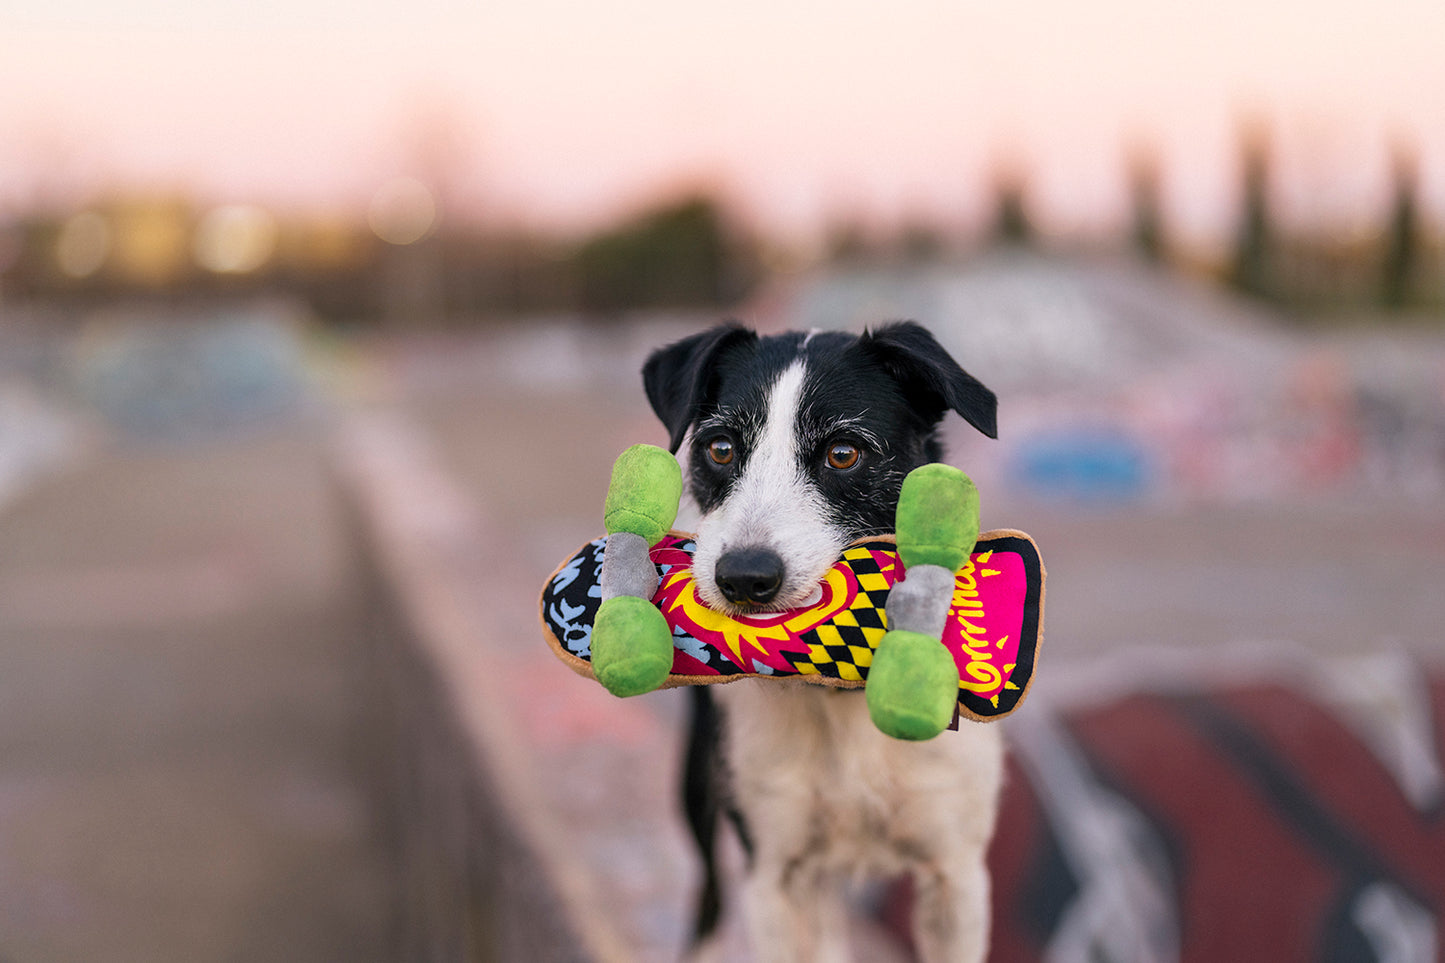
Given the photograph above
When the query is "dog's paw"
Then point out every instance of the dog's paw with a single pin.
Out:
(912, 686)
(631, 646)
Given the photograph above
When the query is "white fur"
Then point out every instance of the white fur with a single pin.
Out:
(774, 505)
(830, 799)
(827, 797)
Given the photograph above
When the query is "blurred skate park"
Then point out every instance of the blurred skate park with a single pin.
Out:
(318, 341)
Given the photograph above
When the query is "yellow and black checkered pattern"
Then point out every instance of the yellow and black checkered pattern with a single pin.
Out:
(844, 645)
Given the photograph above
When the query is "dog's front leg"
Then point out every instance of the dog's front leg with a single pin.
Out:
(951, 911)
(794, 916)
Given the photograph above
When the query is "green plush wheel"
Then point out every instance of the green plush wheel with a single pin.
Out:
(631, 646)
(912, 686)
(937, 517)
(644, 494)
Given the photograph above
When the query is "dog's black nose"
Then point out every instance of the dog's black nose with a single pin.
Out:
(749, 575)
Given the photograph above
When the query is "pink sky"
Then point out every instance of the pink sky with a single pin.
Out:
(565, 113)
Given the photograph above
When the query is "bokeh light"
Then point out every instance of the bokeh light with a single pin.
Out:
(402, 211)
(235, 239)
(152, 238)
(83, 244)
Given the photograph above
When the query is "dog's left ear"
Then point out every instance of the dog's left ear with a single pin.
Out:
(930, 377)
(679, 377)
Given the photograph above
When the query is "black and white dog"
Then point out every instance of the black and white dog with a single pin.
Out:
(797, 445)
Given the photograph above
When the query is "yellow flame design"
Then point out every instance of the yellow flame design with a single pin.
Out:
(734, 633)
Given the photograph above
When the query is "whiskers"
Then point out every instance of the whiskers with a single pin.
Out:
(871, 533)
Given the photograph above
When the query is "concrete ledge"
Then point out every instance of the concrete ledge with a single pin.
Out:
(488, 874)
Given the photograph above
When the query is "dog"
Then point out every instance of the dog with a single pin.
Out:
(797, 444)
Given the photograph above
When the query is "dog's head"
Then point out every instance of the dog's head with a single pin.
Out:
(799, 443)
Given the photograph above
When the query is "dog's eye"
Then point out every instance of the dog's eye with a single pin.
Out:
(720, 450)
(842, 456)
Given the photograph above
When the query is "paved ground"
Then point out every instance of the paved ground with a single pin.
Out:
(180, 734)
(180, 771)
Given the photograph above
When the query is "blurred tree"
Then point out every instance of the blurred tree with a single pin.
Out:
(1252, 268)
(1011, 223)
(1147, 231)
(675, 256)
(848, 241)
(1402, 247)
(921, 242)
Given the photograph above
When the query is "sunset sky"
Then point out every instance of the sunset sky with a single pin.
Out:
(564, 113)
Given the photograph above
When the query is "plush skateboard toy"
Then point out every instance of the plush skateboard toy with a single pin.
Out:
(958, 635)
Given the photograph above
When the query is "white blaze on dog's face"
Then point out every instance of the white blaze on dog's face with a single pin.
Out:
(799, 444)
(771, 510)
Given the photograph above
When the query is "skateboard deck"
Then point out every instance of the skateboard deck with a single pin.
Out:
(994, 628)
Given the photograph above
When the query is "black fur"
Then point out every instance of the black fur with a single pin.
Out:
(883, 392)
(701, 799)
(677, 378)
(930, 378)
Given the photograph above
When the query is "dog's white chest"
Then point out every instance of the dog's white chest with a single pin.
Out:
(820, 784)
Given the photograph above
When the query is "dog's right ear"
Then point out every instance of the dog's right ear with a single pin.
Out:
(679, 377)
